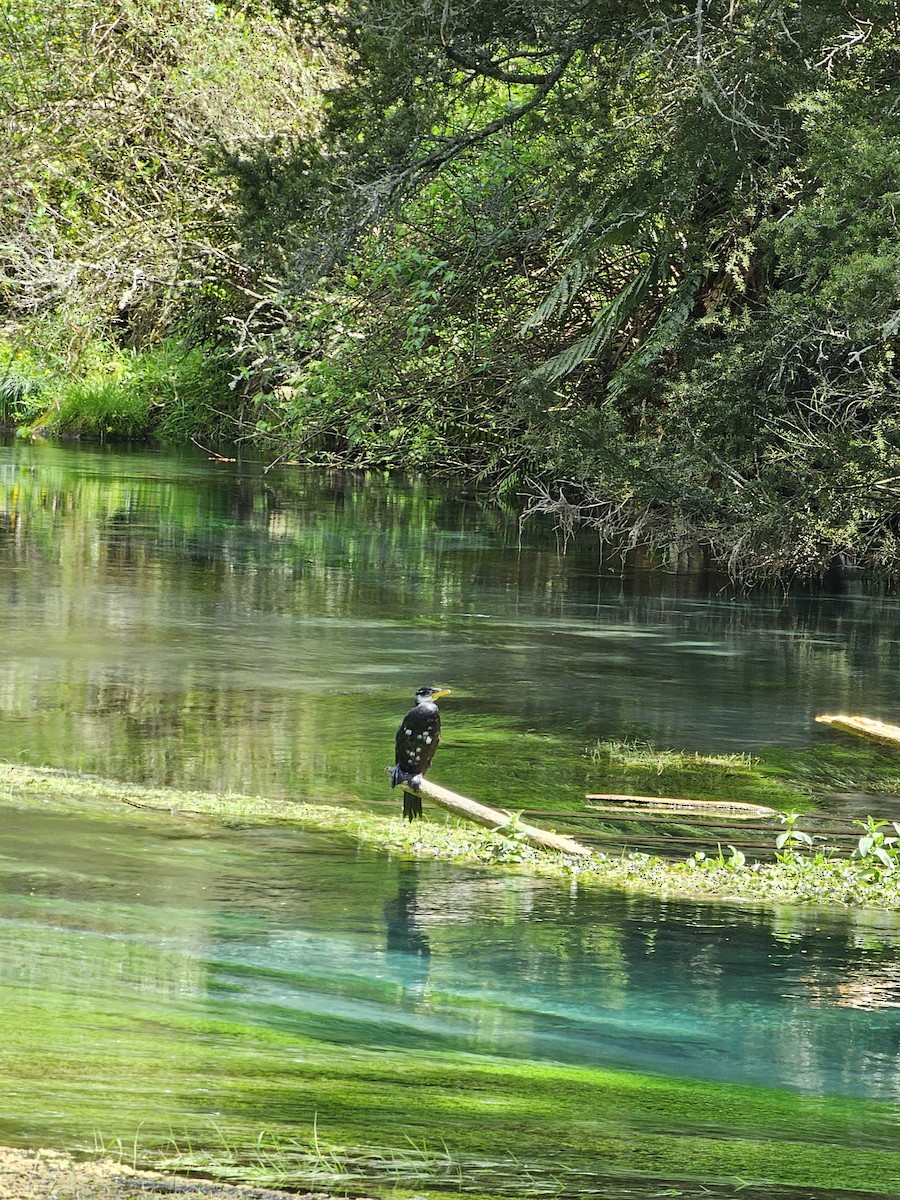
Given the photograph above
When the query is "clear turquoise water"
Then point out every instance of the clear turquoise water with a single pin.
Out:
(297, 932)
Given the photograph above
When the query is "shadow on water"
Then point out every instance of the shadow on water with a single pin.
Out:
(171, 620)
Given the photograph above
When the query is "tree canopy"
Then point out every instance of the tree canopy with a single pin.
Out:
(637, 262)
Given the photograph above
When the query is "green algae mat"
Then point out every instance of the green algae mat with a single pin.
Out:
(136, 1015)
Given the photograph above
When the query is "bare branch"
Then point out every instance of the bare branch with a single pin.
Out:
(423, 168)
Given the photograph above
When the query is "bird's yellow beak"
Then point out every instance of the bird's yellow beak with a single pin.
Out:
(442, 692)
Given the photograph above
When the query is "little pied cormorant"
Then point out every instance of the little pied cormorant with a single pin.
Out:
(417, 740)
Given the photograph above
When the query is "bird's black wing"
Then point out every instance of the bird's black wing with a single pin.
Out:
(418, 738)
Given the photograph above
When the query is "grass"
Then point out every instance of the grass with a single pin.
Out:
(637, 767)
(170, 391)
(98, 404)
(21, 383)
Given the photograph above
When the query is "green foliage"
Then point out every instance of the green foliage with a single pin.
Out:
(790, 839)
(96, 405)
(641, 262)
(663, 266)
(514, 846)
(170, 392)
(187, 390)
(702, 861)
(21, 381)
(118, 227)
(391, 368)
(875, 848)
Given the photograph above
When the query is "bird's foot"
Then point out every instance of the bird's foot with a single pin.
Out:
(399, 776)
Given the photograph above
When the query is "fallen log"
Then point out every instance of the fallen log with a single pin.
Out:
(733, 808)
(867, 727)
(495, 818)
(668, 816)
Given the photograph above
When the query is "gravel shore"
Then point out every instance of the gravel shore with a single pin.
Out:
(51, 1175)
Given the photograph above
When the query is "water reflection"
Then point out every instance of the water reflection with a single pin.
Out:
(404, 930)
(178, 621)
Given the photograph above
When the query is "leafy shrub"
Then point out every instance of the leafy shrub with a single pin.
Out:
(21, 384)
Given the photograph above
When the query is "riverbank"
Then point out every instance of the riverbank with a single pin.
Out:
(39, 1174)
(798, 874)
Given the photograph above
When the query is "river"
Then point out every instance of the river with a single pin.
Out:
(175, 620)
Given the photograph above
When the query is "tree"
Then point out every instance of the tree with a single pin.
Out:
(117, 219)
(680, 219)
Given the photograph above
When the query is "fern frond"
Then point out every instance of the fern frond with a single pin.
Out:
(672, 319)
(609, 321)
(559, 299)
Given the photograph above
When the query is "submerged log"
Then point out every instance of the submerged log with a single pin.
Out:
(732, 808)
(495, 818)
(867, 727)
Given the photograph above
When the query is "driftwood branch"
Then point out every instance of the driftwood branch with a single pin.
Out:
(867, 727)
(731, 808)
(494, 818)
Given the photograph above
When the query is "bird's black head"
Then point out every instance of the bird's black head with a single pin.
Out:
(426, 695)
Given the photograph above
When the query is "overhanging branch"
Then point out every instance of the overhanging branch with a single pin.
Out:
(429, 164)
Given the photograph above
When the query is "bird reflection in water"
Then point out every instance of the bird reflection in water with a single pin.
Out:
(405, 935)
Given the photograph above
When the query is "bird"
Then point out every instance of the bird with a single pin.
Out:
(417, 739)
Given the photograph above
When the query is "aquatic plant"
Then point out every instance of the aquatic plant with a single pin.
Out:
(514, 846)
(791, 838)
(423, 1170)
(634, 765)
(798, 874)
(875, 848)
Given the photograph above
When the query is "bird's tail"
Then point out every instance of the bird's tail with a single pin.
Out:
(412, 806)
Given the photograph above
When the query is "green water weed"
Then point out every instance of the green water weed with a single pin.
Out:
(811, 877)
(636, 766)
(875, 848)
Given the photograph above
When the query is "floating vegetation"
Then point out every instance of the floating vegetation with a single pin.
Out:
(637, 766)
(801, 871)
